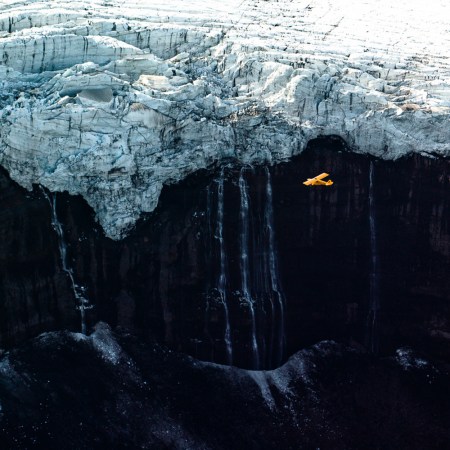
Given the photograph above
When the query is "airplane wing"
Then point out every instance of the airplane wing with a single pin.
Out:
(322, 175)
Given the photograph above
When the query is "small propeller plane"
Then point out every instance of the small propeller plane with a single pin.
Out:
(318, 181)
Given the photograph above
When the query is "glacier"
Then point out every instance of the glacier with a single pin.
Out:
(113, 100)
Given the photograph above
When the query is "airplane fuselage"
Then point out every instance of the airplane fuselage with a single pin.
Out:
(318, 181)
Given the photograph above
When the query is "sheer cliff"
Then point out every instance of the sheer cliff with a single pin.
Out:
(313, 269)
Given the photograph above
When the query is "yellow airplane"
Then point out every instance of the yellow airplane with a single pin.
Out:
(318, 181)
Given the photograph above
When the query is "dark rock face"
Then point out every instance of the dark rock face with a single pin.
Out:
(64, 390)
(337, 277)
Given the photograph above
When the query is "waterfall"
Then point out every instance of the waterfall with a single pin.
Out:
(244, 260)
(255, 278)
(374, 303)
(209, 260)
(222, 281)
(78, 291)
(273, 270)
(260, 279)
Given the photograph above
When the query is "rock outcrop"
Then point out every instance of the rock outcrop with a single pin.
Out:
(112, 101)
(110, 390)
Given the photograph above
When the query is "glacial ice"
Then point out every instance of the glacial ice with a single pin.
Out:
(113, 100)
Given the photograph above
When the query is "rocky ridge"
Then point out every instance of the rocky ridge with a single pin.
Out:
(109, 390)
(112, 101)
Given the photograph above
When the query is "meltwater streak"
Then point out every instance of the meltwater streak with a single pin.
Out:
(244, 259)
(273, 270)
(222, 281)
(209, 261)
(82, 301)
(374, 300)
(260, 281)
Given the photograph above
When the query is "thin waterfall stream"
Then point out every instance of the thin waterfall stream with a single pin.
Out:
(210, 235)
(78, 291)
(374, 300)
(273, 269)
(222, 281)
(244, 260)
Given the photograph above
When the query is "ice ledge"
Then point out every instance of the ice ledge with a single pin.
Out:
(114, 101)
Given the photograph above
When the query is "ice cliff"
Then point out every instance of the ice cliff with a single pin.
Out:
(112, 99)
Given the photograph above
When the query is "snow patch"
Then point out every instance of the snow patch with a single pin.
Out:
(408, 361)
(261, 379)
(104, 342)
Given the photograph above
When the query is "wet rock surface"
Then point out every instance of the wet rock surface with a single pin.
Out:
(162, 281)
